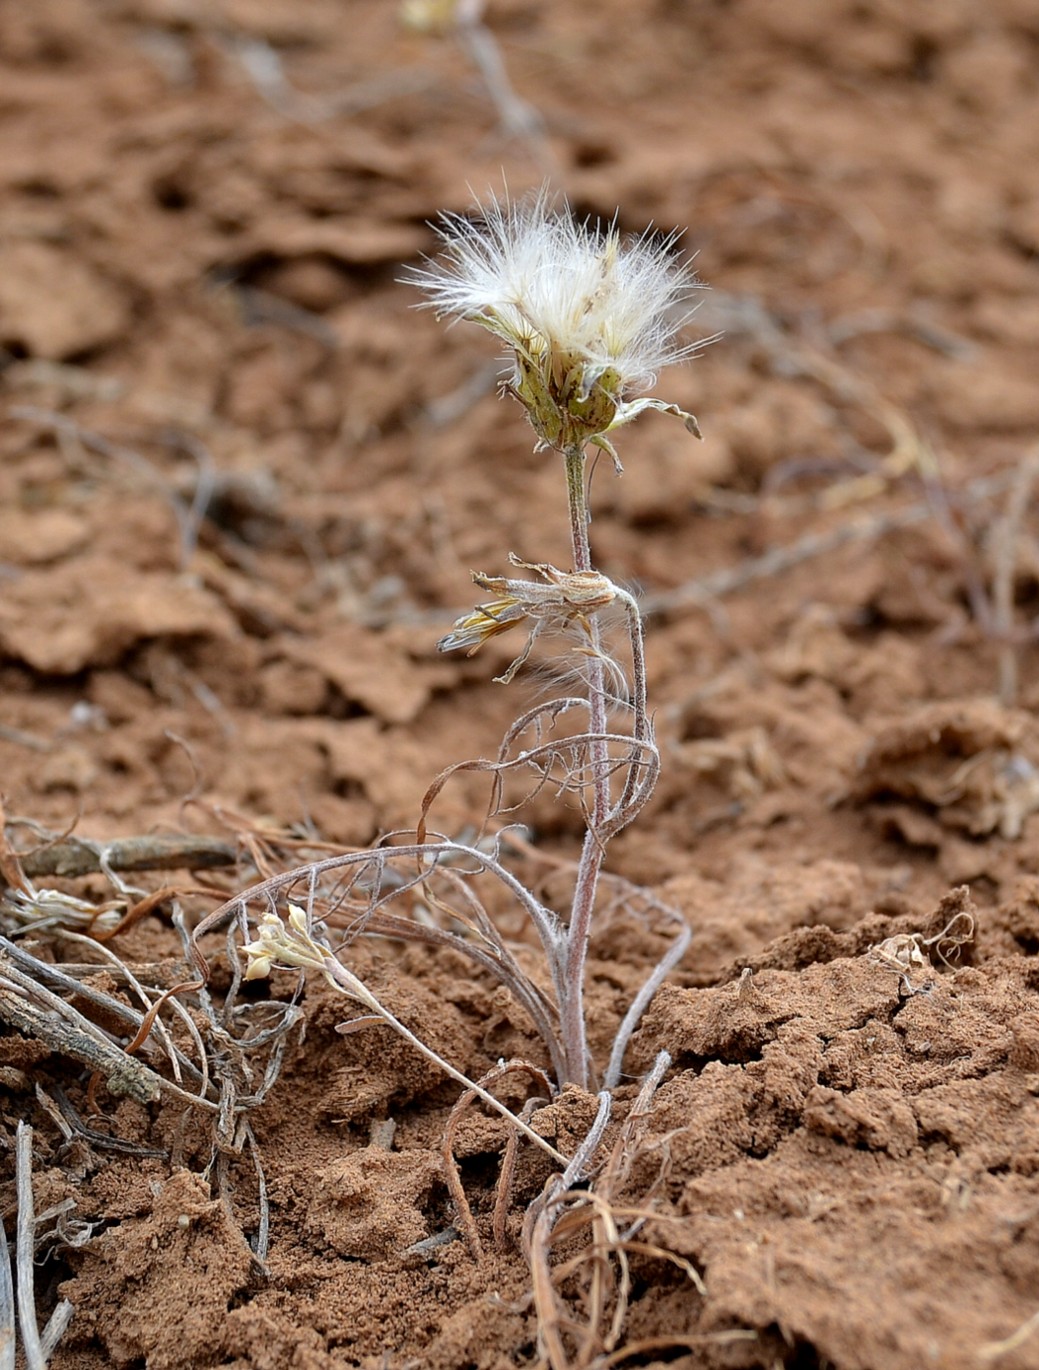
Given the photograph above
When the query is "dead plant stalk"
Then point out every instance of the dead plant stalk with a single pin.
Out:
(588, 318)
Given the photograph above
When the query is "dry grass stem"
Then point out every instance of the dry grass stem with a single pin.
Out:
(603, 1230)
(36, 1348)
(76, 856)
(7, 1305)
(1006, 536)
(23, 990)
(226, 1061)
(454, 1181)
(74, 440)
(996, 1350)
(860, 528)
(463, 20)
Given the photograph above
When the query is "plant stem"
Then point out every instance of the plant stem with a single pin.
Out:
(571, 1009)
(574, 459)
(344, 979)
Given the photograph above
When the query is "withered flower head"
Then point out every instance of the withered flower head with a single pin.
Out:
(559, 600)
(590, 317)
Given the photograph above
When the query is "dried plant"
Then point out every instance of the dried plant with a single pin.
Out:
(18, 1296)
(588, 317)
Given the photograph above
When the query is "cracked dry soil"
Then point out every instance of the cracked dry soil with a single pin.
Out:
(241, 488)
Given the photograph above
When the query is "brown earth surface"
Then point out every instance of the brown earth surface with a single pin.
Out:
(243, 484)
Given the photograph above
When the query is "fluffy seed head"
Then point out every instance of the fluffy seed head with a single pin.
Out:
(590, 317)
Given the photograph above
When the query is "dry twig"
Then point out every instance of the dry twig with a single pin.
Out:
(37, 1348)
(1006, 537)
(75, 856)
(454, 1182)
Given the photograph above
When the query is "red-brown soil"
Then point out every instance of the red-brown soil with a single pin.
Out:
(242, 487)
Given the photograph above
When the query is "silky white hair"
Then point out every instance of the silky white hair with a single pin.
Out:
(551, 284)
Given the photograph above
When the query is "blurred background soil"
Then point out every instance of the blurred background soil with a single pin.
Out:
(242, 487)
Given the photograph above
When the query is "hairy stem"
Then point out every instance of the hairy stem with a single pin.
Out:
(571, 1008)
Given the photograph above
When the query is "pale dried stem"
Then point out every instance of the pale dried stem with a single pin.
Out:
(518, 118)
(24, 993)
(648, 1346)
(37, 1012)
(642, 1000)
(1006, 539)
(36, 1349)
(538, 1225)
(348, 983)
(454, 1181)
(25, 1248)
(577, 1168)
(618, 1168)
(160, 1029)
(506, 1177)
(996, 1350)
(7, 1305)
(263, 1227)
(374, 918)
(778, 560)
(605, 819)
(75, 856)
(571, 1006)
(564, 1212)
